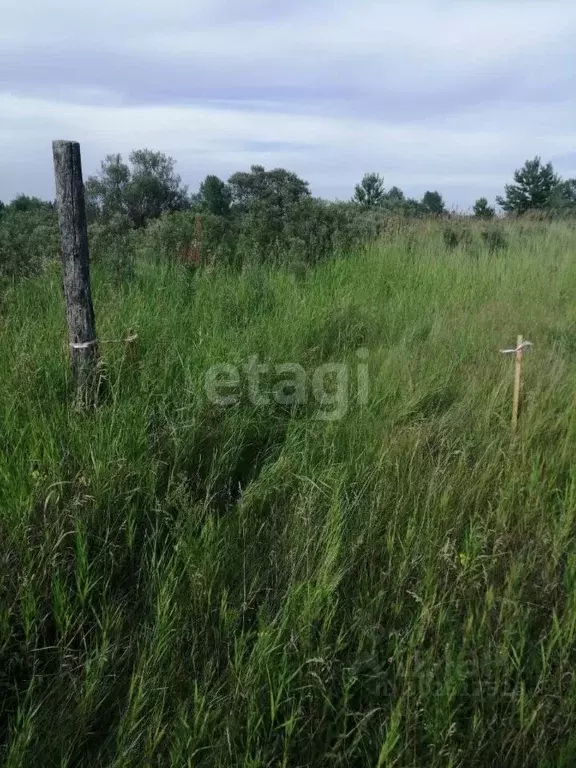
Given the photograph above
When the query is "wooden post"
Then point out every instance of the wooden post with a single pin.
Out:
(75, 265)
(517, 383)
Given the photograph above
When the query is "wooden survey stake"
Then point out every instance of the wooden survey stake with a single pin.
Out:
(517, 382)
(518, 352)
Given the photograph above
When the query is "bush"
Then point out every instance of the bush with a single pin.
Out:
(219, 241)
(495, 239)
(317, 230)
(170, 235)
(114, 244)
(307, 232)
(200, 239)
(455, 236)
(261, 232)
(28, 239)
(451, 237)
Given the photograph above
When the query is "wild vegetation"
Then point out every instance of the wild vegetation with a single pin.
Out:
(257, 216)
(184, 582)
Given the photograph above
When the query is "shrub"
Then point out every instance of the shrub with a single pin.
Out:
(28, 239)
(316, 230)
(451, 237)
(495, 239)
(114, 244)
(193, 238)
(455, 236)
(219, 241)
(169, 235)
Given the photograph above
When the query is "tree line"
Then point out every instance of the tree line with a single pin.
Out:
(256, 214)
(147, 186)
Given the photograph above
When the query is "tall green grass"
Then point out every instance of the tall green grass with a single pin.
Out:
(187, 584)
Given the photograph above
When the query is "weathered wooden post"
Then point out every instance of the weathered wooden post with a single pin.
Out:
(76, 266)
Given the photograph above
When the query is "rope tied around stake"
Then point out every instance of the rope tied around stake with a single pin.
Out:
(520, 348)
(88, 344)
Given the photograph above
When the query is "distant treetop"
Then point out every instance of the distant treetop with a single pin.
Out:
(141, 191)
(533, 190)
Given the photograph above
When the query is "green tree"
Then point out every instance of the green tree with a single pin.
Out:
(533, 190)
(433, 203)
(413, 208)
(106, 193)
(482, 210)
(370, 192)
(264, 201)
(142, 191)
(155, 187)
(277, 189)
(395, 196)
(26, 204)
(214, 197)
(29, 237)
(563, 198)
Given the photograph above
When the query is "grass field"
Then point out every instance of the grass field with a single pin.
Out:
(184, 583)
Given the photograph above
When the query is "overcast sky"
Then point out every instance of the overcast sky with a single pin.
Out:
(446, 94)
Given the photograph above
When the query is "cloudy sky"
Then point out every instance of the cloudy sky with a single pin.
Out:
(433, 94)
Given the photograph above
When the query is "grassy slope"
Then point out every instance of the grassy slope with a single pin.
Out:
(249, 587)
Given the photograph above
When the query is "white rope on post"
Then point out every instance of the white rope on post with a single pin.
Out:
(86, 344)
(518, 350)
(524, 345)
